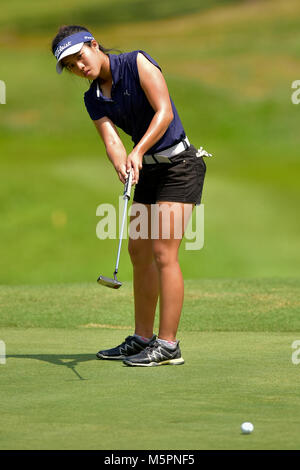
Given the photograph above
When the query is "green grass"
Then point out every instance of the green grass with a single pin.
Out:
(63, 398)
(210, 305)
(46, 17)
(236, 338)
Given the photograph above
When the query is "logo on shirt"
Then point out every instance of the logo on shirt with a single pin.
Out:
(126, 93)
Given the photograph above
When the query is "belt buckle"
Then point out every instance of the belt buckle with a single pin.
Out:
(149, 159)
(162, 158)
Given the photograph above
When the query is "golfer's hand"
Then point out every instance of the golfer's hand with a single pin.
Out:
(121, 171)
(134, 164)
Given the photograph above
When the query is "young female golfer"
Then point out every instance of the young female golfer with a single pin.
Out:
(129, 91)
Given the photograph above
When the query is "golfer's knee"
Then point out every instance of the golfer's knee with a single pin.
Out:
(163, 257)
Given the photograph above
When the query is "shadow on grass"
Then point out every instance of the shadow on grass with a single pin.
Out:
(67, 360)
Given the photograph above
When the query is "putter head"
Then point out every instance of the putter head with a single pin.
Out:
(108, 282)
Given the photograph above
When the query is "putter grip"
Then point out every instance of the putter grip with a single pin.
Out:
(127, 189)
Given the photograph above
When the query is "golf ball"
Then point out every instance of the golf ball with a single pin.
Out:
(247, 428)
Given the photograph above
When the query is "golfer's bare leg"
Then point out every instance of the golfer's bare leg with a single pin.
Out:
(171, 285)
(145, 281)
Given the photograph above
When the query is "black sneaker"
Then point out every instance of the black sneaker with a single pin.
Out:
(155, 354)
(132, 345)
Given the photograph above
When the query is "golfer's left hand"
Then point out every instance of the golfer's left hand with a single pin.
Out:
(134, 163)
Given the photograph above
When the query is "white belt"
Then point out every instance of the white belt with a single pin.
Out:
(165, 155)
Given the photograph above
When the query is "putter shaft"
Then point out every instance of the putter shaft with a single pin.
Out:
(105, 281)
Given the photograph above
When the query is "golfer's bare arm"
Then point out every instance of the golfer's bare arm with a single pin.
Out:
(155, 88)
(115, 149)
(156, 91)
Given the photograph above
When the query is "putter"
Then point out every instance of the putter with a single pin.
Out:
(107, 281)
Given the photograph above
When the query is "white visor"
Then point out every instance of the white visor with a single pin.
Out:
(71, 50)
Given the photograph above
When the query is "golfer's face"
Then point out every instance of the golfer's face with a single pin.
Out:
(85, 63)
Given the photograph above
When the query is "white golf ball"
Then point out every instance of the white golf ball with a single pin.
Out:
(247, 428)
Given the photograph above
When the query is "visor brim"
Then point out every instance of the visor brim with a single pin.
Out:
(71, 50)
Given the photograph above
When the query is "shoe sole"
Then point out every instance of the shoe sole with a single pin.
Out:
(170, 362)
(111, 358)
(114, 358)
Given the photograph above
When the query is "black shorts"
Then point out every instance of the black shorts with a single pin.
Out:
(179, 181)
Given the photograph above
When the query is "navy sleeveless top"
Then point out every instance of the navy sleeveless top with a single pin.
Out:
(128, 108)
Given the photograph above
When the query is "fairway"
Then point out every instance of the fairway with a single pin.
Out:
(56, 395)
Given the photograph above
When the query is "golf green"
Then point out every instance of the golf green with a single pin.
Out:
(55, 394)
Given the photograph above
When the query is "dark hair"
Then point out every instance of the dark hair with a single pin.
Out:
(67, 30)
